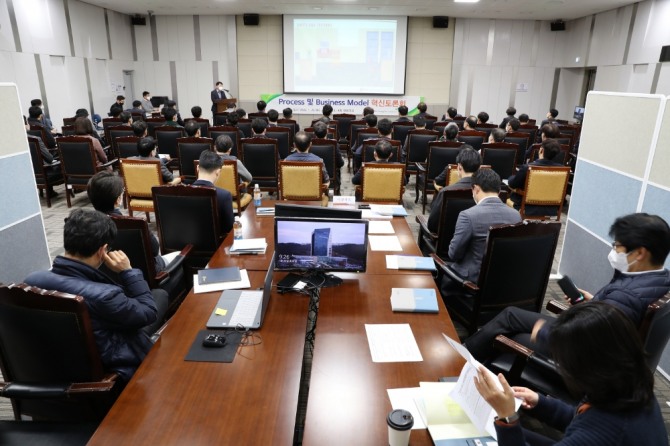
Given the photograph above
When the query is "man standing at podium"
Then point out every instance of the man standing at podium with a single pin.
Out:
(217, 94)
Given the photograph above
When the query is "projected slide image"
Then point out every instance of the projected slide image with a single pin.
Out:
(341, 55)
(321, 246)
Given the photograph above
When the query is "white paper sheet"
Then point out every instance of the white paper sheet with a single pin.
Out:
(367, 214)
(405, 399)
(242, 283)
(380, 227)
(248, 244)
(465, 393)
(384, 243)
(392, 343)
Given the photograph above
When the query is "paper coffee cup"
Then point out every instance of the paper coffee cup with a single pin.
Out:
(400, 423)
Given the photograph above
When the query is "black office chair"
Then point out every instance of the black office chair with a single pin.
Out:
(326, 149)
(46, 175)
(79, 162)
(501, 157)
(261, 158)
(472, 137)
(417, 151)
(189, 150)
(514, 272)
(368, 153)
(440, 155)
(284, 139)
(49, 357)
(245, 125)
(401, 129)
(166, 141)
(134, 239)
(188, 215)
(204, 126)
(152, 124)
(126, 146)
(453, 202)
(521, 138)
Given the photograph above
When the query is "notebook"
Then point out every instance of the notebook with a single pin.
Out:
(243, 307)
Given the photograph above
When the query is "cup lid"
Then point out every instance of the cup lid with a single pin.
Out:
(400, 419)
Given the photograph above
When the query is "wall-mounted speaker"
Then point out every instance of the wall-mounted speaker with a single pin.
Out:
(558, 25)
(138, 20)
(665, 54)
(440, 21)
(251, 19)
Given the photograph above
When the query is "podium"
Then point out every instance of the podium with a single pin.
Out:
(222, 105)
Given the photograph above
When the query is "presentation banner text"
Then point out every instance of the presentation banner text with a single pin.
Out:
(313, 104)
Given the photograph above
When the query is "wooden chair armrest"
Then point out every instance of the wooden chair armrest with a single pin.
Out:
(556, 306)
(420, 167)
(54, 390)
(442, 265)
(423, 225)
(108, 163)
(174, 265)
(243, 186)
(505, 344)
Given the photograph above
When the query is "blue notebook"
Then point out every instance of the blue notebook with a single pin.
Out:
(414, 300)
(410, 262)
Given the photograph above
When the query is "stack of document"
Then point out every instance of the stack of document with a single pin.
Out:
(410, 262)
(414, 300)
(265, 211)
(249, 246)
(388, 209)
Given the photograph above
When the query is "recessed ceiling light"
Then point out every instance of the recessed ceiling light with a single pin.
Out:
(466, 1)
(373, 9)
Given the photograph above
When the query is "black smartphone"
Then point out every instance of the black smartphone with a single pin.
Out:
(363, 206)
(570, 290)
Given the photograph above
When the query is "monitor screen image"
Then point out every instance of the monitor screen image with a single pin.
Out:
(579, 113)
(326, 245)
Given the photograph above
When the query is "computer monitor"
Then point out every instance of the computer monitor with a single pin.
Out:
(301, 210)
(320, 245)
(157, 101)
(579, 113)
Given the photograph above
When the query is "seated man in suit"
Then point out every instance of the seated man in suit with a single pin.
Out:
(36, 118)
(209, 169)
(302, 142)
(482, 117)
(641, 245)
(170, 115)
(147, 106)
(273, 115)
(402, 114)
(124, 315)
(419, 124)
(105, 190)
(551, 117)
(512, 125)
(321, 132)
(120, 100)
(192, 129)
(288, 114)
(137, 107)
(510, 112)
(470, 123)
(468, 160)
(224, 145)
(258, 128)
(468, 245)
(450, 114)
(548, 150)
(146, 147)
(497, 135)
(383, 152)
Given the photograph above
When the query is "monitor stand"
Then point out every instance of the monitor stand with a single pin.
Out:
(320, 279)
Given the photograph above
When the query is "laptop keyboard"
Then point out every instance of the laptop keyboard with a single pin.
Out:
(246, 309)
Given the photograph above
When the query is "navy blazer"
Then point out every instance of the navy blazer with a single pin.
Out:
(224, 201)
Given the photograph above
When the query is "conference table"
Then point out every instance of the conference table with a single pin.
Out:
(255, 399)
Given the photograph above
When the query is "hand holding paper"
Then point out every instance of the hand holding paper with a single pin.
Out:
(488, 386)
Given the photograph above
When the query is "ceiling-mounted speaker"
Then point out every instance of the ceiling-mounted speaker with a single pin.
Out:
(665, 54)
(558, 25)
(251, 19)
(138, 20)
(440, 21)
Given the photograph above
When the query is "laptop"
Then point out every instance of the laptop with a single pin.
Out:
(244, 308)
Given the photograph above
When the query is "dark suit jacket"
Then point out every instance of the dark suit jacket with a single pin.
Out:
(518, 181)
(216, 95)
(434, 217)
(51, 141)
(468, 246)
(224, 201)
(504, 122)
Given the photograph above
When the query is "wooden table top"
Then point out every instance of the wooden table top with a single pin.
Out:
(263, 227)
(348, 402)
(252, 400)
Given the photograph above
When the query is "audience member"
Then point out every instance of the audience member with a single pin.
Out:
(470, 123)
(511, 111)
(468, 161)
(482, 118)
(192, 129)
(288, 114)
(368, 111)
(641, 245)
(468, 245)
(233, 119)
(303, 143)
(273, 116)
(241, 113)
(524, 119)
(115, 111)
(402, 114)
(450, 133)
(551, 117)
(126, 119)
(512, 125)
(450, 114)
(173, 105)
(36, 119)
(140, 129)
(105, 190)
(602, 363)
(124, 314)
(517, 182)
(209, 169)
(45, 121)
(261, 105)
(170, 115)
(224, 145)
(326, 111)
(146, 147)
(497, 135)
(258, 127)
(120, 100)
(84, 127)
(196, 112)
(423, 109)
(47, 157)
(137, 107)
(146, 102)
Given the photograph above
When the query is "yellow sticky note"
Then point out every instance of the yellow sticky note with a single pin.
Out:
(221, 312)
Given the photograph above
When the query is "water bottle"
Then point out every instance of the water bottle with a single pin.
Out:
(237, 229)
(257, 195)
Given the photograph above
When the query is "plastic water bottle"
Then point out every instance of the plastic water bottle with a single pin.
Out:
(237, 229)
(257, 195)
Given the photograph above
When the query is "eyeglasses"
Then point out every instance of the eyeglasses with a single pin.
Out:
(616, 245)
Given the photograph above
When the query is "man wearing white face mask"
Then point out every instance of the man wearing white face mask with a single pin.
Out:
(641, 245)
(468, 245)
